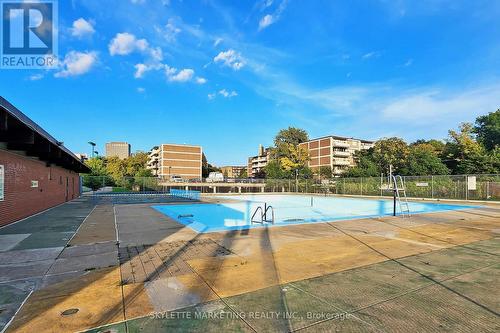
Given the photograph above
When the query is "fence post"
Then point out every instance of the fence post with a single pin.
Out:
(466, 188)
(361, 186)
(432, 187)
(381, 184)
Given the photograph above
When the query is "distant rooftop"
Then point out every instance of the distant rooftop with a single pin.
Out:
(336, 137)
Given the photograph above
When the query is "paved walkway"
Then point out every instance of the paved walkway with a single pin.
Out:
(113, 266)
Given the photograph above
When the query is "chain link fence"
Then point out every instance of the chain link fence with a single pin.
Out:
(458, 187)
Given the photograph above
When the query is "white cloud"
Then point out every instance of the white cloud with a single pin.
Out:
(140, 70)
(227, 94)
(201, 80)
(82, 28)
(183, 75)
(217, 41)
(230, 58)
(435, 105)
(211, 96)
(372, 54)
(269, 19)
(171, 30)
(266, 21)
(141, 90)
(36, 77)
(77, 63)
(125, 43)
(156, 54)
(138, 1)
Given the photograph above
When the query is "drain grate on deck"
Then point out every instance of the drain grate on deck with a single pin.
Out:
(148, 262)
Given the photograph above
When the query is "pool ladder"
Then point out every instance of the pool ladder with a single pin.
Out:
(263, 214)
(403, 205)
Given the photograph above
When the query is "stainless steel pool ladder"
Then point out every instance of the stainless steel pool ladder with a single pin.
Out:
(263, 215)
(400, 189)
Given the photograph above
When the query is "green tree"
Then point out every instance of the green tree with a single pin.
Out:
(324, 172)
(437, 146)
(243, 174)
(135, 165)
(291, 135)
(463, 154)
(422, 160)
(365, 165)
(390, 151)
(487, 129)
(273, 170)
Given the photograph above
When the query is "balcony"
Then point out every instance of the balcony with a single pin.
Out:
(341, 153)
(338, 161)
(340, 144)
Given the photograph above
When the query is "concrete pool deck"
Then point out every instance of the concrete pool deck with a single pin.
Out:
(129, 268)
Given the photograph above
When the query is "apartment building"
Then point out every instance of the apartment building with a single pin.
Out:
(232, 171)
(118, 149)
(169, 160)
(154, 160)
(334, 151)
(257, 163)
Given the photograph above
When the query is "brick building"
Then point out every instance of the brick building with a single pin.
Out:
(118, 149)
(232, 171)
(336, 152)
(36, 171)
(169, 160)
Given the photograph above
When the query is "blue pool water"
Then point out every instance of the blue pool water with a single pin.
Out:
(288, 209)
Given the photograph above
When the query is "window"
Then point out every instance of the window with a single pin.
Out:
(2, 182)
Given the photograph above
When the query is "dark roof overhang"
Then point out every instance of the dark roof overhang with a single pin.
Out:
(20, 133)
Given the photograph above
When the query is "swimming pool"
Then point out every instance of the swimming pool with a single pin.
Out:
(288, 209)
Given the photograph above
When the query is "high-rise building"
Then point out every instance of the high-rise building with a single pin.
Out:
(232, 171)
(257, 163)
(118, 149)
(169, 160)
(335, 152)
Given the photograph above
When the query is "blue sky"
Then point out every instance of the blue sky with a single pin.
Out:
(228, 75)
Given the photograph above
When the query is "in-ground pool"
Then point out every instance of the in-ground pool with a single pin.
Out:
(288, 209)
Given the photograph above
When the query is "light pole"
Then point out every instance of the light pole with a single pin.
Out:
(93, 147)
(296, 180)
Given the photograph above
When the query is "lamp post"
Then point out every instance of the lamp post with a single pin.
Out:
(93, 147)
(297, 180)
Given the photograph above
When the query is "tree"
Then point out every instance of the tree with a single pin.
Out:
(390, 151)
(273, 170)
(294, 157)
(243, 173)
(291, 135)
(437, 146)
(365, 165)
(324, 172)
(422, 160)
(465, 155)
(487, 129)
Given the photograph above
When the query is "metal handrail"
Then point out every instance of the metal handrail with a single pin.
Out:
(261, 215)
(272, 214)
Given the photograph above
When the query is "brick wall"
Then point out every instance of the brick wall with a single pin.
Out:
(21, 199)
